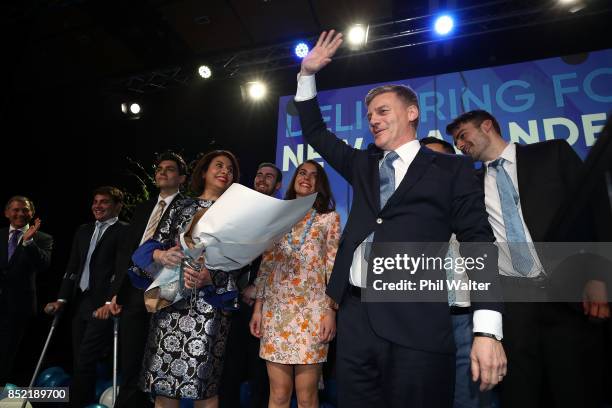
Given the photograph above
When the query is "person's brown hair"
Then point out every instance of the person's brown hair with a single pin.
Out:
(476, 117)
(113, 192)
(197, 182)
(324, 202)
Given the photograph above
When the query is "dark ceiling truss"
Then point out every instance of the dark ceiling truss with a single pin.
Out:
(479, 19)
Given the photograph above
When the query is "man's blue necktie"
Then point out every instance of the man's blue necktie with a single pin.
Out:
(95, 238)
(522, 261)
(386, 175)
(12, 245)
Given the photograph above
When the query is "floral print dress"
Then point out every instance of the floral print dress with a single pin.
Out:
(291, 282)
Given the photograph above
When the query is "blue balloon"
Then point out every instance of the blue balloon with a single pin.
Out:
(7, 387)
(47, 373)
(60, 380)
(294, 402)
(326, 405)
(96, 406)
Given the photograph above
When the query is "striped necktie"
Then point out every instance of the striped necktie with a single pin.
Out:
(154, 222)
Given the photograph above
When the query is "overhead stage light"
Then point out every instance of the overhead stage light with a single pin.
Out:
(135, 108)
(131, 109)
(301, 49)
(444, 24)
(256, 90)
(205, 71)
(357, 36)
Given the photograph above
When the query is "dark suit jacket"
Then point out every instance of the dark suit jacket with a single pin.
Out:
(18, 276)
(546, 172)
(439, 195)
(122, 286)
(101, 265)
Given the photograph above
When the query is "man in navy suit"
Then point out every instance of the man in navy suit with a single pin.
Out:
(87, 284)
(554, 351)
(399, 354)
(24, 253)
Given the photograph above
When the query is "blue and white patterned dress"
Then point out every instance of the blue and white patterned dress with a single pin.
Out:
(186, 344)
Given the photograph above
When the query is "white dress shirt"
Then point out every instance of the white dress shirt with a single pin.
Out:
(486, 321)
(496, 219)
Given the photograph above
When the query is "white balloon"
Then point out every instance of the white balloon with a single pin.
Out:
(107, 397)
(13, 403)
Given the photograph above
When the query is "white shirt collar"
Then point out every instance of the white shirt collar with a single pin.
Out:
(168, 199)
(408, 151)
(22, 229)
(508, 154)
(108, 222)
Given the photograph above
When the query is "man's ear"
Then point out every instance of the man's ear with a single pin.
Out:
(486, 125)
(277, 186)
(413, 112)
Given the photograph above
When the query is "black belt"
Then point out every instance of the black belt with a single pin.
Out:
(355, 291)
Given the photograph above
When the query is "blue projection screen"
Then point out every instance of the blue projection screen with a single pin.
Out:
(556, 98)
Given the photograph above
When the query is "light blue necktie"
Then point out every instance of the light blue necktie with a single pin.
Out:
(386, 175)
(95, 238)
(522, 261)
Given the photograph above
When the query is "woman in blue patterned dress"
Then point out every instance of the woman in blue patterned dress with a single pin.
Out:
(184, 351)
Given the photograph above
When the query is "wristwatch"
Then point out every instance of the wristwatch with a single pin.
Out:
(489, 335)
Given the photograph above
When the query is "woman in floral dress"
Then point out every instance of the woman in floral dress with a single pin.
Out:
(186, 344)
(292, 315)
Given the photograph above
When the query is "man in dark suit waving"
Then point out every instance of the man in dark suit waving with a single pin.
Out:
(24, 253)
(87, 283)
(170, 174)
(553, 350)
(398, 354)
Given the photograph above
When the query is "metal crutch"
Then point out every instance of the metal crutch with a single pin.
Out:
(44, 352)
(115, 352)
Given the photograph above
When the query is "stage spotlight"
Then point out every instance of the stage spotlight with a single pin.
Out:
(134, 108)
(256, 90)
(357, 36)
(131, 109)
(444, 24)
(301, 49)
(205, 71)
(574, 5)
